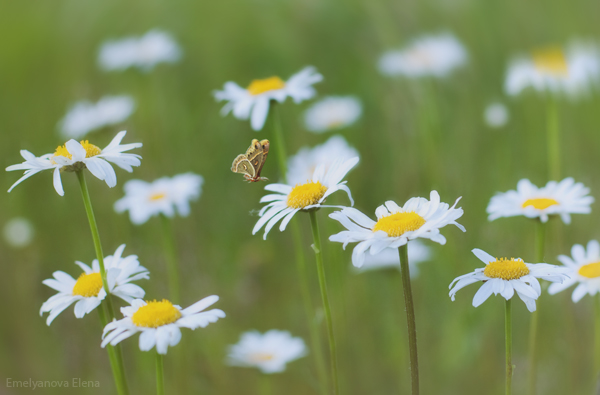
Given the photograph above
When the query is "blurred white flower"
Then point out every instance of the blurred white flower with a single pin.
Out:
(253, 102)
(572, 70)
(269, 352)
(18, 232)
(583, 268)
(302, 165)
(496, 115)
(431, 55)
(390, 259)
(333, 112)
(165, 195)
(143, 52)
(85, 116)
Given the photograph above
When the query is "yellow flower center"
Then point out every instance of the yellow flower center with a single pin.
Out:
(157, 196)
(156, 314)
(540, 203)
(399, 223)
(591, 270)
(88, 285)
(257, 87)
(304, 195)
(261, 357)
(506, 269)
(550, 61)
(90, 150)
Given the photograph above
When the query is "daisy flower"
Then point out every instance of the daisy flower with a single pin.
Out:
(253, 102)
(87, 292)
(395, 225)
(86, 116)
(18, 232)
(310, 195)
(302, 165)
(390, 259)
(159, 322)
(166, 195)
(434, 55)
(556, 198)
(505, 277)
(583, 268)
(571, 70)
(269, 352)
(143, 52)
(333, 112)
(496, 115)
(74, 156)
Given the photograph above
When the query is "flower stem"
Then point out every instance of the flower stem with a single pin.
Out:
(322, 284)
(540, 239)
(410, 319)
(160, 377)
(508, 340)
(597, 335)
(172, 261)
(278, 135)
(265, 384)
(553, 139)
(116, 359)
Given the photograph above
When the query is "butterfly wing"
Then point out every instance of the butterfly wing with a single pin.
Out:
(242, 165)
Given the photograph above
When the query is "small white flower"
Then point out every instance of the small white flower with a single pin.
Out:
(310, 195)
(18, 232)
(88, 290)
(496, 115)
(505, 277)
(74, 156)
(395, 226)
(166, 195)
(572, 71)
(253, 102)
(302, 165)
(143, 52)
(390, 259)
(85, 116)
(583, 269)
(269, 352)
(159, 322)
(333, 112)
(434, 55)
(556, 198)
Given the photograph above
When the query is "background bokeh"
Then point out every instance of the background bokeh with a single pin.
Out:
(48, 60)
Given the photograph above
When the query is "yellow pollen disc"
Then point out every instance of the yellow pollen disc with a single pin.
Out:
(261, 357)
(506, 269)
(257, 87)
(551, 61)
(88, 285)
(90, 150)
(157, 196)
(540, 203)
(591, 270)
(304, 195)
(399, 223)
(156, 314)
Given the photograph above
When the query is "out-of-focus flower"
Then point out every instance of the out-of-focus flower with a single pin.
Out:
(85, 116)
(165, 195)
(496, 115)
(333, 112)
(432, 55)
(301, 166)
(143, 52)
(390, 259)
(253, 102)
(583, 268)
(269, 352)
(18, 232)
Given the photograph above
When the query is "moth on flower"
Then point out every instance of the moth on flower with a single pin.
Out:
(251, 163)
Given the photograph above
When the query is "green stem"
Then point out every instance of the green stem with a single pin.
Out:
(116, 360)
(508, 342)
(323, 285)
(540, 239)
(553, 139)
(597, 335)
(410, 319)
(278, 135)
(265, 384)
(172, 261)
(160, 377)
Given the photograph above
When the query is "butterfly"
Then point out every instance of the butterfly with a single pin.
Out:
(251, 163)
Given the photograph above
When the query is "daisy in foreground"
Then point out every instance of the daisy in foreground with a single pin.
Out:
(76, 156)
(333, 112)
(506, 276)
(87, 291)
(269, 352)
(159, 322)
(395, 225)
(556, 198)
(583, 268)
(253, 102)
(310, 195)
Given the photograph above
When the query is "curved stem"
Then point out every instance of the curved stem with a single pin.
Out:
(553, 139)
(540, 239)
(323, 285)
(160, 378)
(410, 319)
(172, 261)
(508, 343)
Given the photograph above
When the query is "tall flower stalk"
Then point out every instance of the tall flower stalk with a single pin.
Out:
(172, 260)
(540, 240)
(410, 319)
(508, 345)
(553, 138)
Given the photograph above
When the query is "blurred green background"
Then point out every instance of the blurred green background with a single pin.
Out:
(48, 53)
